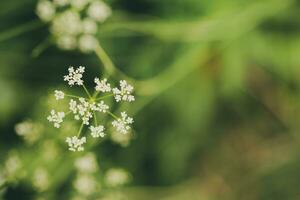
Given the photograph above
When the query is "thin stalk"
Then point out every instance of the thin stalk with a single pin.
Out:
(95, 118)
(80, 129)
(108, 64)
(104, 97)
(41, 47)
(11, 33)
(113, 115)
(74, 96)
(87, 92)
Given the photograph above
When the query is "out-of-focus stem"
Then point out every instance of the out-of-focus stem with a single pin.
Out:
(11, 33)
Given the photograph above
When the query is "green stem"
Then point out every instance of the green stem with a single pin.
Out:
(95, 118)
(103, 97)
(41, 47)
(113, 115)
(68, 113)
(11, 33)
(105, 59)
(87, 92)
(109, 66)
(74, 96)
(80, 129)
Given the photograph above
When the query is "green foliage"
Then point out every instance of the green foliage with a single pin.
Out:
(217, 110)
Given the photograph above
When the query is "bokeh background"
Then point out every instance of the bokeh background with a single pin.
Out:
(220, 110)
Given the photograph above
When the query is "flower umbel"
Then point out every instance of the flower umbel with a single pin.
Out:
(74, 76)
(97, 131)
(56, 118)
(74, 23)
(75, 143)
(59, 95)
(86, 109)
(124, 93)
(122, 124)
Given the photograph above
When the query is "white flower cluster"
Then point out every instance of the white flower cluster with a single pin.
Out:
(74, 77)
(74, 23)
(87, 163)
(85, 109)
(124, 93)
(59, 95)
(41, 179)
(29, 130)
(115, 177)
(56, 118)
(97, 131)
(122, 124)
(85, 183)
(75, 144)
(102, 86)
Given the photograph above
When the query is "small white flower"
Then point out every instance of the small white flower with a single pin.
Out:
(89, 26)
(75, 76)
(41, 179)
(45, 10)
(87, 43)
(85, 184)
(121, 139)
(99, 11)
(29, 130)
(97, 131)
(73, 106)
(102, 86)
(122, 124)
(59, 95)
(101, 107)
(56, 117)
(13, 165)
(82, 110)
(87, 163)
(124, 93)
(75, 144)
(66, 23)
(66, 42)
(115, 177)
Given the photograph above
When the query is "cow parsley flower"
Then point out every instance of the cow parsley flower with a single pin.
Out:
(101, 107)
(75, 143)
(66, 42)
(56, 118)
(102, 86)
(99, 11)
(41, 179)
(74, 23)
(86, 109)
(29, 130)
(85, 184)
(75, 76)
(122, 124)
(45, 10)
(116, 177)
(124, 93)
(87, 43)
(86, 163)
(97, 131)
(121, 139)
(89, 26)
(59, 95)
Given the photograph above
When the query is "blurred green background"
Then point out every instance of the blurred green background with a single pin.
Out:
(219, 114)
